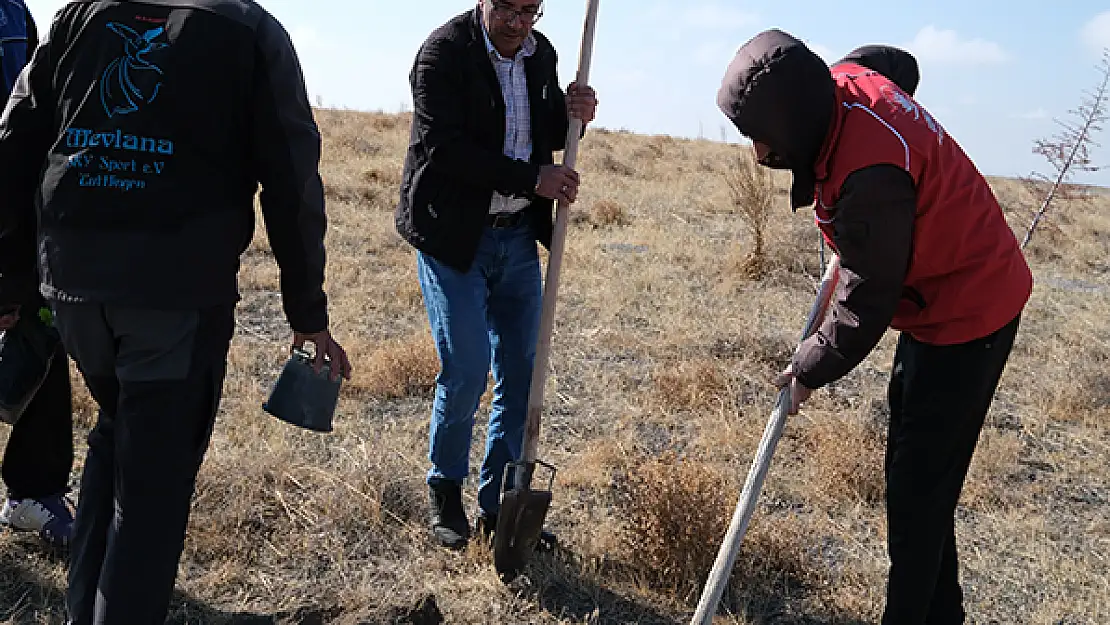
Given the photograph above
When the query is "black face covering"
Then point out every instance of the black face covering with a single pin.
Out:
(778, 92)
(774, 161)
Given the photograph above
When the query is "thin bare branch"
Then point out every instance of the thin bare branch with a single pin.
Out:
(1069, 151)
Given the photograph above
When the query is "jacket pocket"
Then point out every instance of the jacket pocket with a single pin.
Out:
(420, 189)
(429, 194)
(914, 296)
(432, 209)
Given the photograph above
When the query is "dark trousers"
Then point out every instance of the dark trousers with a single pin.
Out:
(39, 454)
(939, 398)
(157, 377)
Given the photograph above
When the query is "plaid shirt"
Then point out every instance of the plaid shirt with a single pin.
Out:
(518, 114)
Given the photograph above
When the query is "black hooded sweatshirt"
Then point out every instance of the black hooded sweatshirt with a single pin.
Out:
(17, 245)
(143, 129)
(780, 93)
(896, 64)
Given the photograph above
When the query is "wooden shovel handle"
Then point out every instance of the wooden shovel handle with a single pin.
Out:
(730, 547)
(555, 259)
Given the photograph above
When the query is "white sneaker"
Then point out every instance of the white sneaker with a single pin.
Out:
(51, 517)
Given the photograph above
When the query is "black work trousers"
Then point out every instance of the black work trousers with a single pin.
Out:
(157, 377)
(39, 455)
(939, 397)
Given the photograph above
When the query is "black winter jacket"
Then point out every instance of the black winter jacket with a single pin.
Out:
(18, 278)
(145, 128)
(455, 158)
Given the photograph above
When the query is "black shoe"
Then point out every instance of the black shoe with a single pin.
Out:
(449, 523)
(486, 524)
(547, 542)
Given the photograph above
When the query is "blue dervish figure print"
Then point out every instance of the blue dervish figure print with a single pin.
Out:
(131, 80)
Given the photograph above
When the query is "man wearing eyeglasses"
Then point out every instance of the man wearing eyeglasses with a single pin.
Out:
(476, 195)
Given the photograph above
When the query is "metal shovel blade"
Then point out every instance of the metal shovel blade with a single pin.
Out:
(520, 520)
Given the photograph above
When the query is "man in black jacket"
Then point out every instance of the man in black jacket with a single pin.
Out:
(476, 196)
(39, 455)
(145, 128)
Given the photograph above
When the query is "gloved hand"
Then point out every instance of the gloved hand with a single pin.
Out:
(798, 392)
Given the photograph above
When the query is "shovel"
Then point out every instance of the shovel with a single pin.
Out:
(524, 509)
(730, 547)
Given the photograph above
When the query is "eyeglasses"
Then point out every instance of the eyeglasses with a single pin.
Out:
(507, 14)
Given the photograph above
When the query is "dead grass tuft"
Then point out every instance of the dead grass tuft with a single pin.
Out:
(85, 410)
(780, 561)
(398, 368)
(675, 513)
(238, 533)
(388, 178)
(352, 194)
(359, 145)
(391, 122)
(991, 480)
(613, 165)
(846, 456)
(654, 148)
(690, 385)
(1049, 244)
(752, 189)
(1088, 393)
(603, 213)
(292, 521)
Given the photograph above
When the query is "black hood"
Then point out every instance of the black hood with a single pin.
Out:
(778, 92)
(897, 65)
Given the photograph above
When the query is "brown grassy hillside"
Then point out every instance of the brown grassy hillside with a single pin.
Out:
(668, 331)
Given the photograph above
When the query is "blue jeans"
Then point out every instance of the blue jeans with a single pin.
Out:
(488, 316)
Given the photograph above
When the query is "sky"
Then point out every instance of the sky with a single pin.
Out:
(995, 73)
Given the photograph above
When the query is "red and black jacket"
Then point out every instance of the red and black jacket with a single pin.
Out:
(924, 246)
(966, 276)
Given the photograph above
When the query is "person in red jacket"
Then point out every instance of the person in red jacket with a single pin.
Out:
(924, 249)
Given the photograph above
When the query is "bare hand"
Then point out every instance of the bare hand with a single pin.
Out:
(581, 102)
(798, 393)
(8, 320)
(326, 348)
(558, 183)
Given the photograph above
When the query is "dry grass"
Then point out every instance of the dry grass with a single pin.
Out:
(753, 194)
(600, 214)
(846, 457)
(691, 385)
(400, 368)
(664, 344)
(675, 513)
